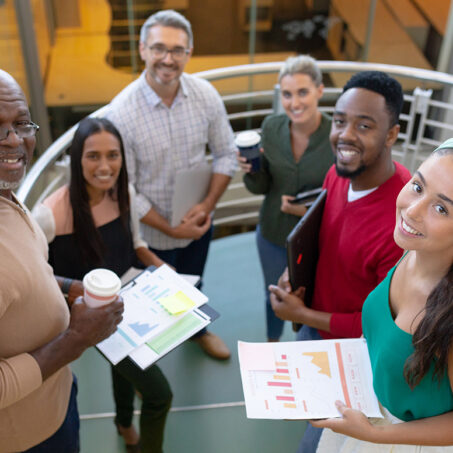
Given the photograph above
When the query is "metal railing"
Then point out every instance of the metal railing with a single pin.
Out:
(424, 125)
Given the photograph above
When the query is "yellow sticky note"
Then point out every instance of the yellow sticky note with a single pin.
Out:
(178, 303)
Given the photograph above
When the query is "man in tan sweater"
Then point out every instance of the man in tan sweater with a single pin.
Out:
(39, 336)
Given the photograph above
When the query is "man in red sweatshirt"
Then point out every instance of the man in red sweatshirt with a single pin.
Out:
(356, 246)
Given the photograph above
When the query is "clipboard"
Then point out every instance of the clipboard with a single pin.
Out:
(145, 356)
(159, 326)
(134, 272)
(302, 249)
(191, 187)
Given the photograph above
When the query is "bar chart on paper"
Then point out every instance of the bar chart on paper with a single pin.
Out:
(302, 380)
(153, 302)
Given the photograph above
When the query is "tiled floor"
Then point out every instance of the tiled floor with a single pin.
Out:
(233, 283)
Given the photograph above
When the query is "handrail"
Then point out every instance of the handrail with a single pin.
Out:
(52, 153)
(62, 143)
(330, 66)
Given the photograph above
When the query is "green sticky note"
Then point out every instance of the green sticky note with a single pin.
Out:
(178, 303)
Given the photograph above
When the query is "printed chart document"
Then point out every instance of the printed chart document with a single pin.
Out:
(148, 353)
(134, 272)
(303, 379)
(160, 311)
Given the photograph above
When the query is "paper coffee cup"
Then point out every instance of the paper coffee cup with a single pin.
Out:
(248, 144)
(100, 287)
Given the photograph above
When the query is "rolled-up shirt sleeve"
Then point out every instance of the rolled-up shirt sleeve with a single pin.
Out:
(142, 204)
(19, 376)
(135, 221)
(221, 138)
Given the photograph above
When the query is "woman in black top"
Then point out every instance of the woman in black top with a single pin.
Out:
(92, 223)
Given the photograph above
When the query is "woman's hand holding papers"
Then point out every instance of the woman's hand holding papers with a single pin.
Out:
(352, 423)
(425, 431)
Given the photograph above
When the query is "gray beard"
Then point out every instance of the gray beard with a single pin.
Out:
(11, 185)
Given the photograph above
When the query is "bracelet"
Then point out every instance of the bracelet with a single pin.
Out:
(67, 282)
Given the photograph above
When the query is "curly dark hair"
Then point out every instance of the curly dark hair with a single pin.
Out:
(383, 84)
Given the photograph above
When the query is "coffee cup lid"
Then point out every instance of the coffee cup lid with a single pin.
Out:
(102, 282)
(247, 138)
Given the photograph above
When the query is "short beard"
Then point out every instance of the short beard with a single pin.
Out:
(153, 76)
(348, 173)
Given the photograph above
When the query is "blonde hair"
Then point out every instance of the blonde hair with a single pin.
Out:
(302, 64)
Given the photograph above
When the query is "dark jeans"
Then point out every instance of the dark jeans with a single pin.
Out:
(273, 262)
(189, 260)
(156, 401)
(66, 438)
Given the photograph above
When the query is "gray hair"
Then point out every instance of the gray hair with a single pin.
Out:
(167, 18)
(302, 64)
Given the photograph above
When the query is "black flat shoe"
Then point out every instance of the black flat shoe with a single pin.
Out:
(130, 448)
(133, 448)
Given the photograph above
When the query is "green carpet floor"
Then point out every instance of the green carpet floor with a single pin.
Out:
(207, 415)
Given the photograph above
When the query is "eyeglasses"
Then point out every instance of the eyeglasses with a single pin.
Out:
(22, 130)
(159, 52)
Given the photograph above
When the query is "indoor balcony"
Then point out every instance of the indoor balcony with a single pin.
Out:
(208, 414)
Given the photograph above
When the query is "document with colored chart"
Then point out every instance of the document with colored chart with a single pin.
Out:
(161, 310)
(303, 379)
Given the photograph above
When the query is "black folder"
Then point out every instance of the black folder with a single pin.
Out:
(302, 248)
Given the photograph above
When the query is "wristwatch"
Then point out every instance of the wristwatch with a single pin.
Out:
(67, 282)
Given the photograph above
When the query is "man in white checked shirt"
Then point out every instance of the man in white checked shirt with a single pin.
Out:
(166, 119)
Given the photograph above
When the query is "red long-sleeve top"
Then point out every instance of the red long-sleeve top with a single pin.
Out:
(356, 250)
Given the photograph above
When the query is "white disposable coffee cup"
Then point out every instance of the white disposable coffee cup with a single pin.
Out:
(100, 287)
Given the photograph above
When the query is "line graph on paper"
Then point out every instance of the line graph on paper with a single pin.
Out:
(301, 379)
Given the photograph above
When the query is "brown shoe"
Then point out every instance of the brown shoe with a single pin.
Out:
(213, 346)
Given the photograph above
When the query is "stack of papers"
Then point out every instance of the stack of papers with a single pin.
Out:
(160, 312)
(303, 379)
